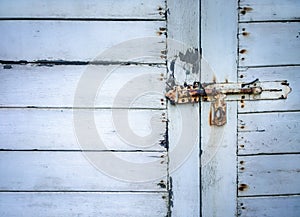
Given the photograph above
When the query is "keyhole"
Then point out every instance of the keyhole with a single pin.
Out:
(219, 113)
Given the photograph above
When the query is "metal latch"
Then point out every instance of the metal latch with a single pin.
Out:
(218, 93)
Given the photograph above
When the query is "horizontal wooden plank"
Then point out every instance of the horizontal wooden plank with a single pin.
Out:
(269, 206)
(43, 129)
(253, 10)
(291, 74)
(134, 9)
(74, 171)
(82, 41)
(269, 44)
(269, 175)
(56, 86)
(269, 133)
(83, 204)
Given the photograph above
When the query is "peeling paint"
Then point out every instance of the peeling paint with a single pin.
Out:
(191, 56)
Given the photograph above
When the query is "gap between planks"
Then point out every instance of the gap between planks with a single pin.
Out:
(263, 112)
(83, 19)
(272, 21)
(268, 154)
(51, 63)
(80, 108)
(267, 195)
(68, 150)
(70, 191)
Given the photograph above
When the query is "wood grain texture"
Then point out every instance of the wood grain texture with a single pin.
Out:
(266, 44)
(270, 206)
(83, 204)
(104, 9)
(183, 51)
(218, 157)
(82, 41)
(73, 171)
(269, 133)
(291, 74)
(44, 129)
(56, 86)
(269, 10)
(269, 175)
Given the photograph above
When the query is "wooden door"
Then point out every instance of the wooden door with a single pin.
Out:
(250, 166)
(77, 80)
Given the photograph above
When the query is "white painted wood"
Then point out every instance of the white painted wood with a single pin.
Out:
(81, 41)
(72, 171)
(270, 206)
(135, 9)
(274, 10)
(269, 133)
(269, 175)
(83, 204)
(291, 74)
(183, 50)
(119, 86)
(43, 129)
(218, 144)
(262, 44)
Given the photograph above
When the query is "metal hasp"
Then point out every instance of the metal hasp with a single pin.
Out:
(218, 93)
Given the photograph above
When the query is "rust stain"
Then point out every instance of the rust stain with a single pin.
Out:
(243, 187)
(164, 52)
(245, 33)
(162, 184)
(245, 10)
(243, 51)
(210, 118)
(214, 79)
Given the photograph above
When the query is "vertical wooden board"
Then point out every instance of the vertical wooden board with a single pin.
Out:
(104, 9)
(219, 22)
(44, 129)
(56, 86)
(269, 10)
(183, 127)
(270, 206)
(75, 171)
(266, 44)
(82, 204)
(269, 175)
(81, 41)
(291, 74)
(269, 133)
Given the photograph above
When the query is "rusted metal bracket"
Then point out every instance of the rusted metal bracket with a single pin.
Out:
(218, 93)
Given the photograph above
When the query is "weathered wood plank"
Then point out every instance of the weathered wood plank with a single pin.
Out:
(218, 157)
(291, 74)
(270, 206)
(262, 44)
(74, 171)
(271, 10)
(43, 129)
(183, 52)
(269, 175)
(56, 86)
(269, 133)
(81, 41)
(83, 204)
(105, 9)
